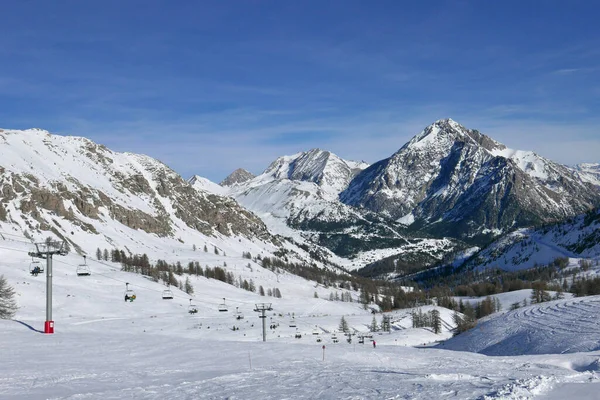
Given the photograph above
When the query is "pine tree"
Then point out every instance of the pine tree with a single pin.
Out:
(98, 254)
(8, 305)
(189, 289)
(385, 323)
(436, 321)
(105, 255)
(344, 325)
(205, 249)
(261, 290)
(374, 327)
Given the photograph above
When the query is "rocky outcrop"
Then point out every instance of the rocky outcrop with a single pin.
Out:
(240, 175)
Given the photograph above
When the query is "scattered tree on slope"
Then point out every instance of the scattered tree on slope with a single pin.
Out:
(8, 305)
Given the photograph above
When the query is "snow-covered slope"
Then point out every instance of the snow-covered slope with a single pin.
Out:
(578, 237)
(151, 348)
(589, 172)
(556, 327)
(205, 185)
(459, 182)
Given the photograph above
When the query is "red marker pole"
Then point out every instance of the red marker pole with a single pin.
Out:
(323, 352)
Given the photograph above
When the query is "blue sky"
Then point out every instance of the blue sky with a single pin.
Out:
(210, 86)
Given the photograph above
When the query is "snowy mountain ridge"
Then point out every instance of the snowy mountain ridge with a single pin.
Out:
(447, 181)
(330, 172)
(91, 197)
(456, 181)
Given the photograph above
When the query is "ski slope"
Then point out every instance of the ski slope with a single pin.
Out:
(105, 348)
(561, 326)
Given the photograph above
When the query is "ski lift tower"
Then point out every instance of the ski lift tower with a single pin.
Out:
(46, 250)
(262, 308)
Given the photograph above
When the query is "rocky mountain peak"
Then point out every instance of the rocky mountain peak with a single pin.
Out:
(443, 133)
(458, 177)
(238, 176)
(321, 167)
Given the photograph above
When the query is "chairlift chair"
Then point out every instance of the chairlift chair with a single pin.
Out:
(292, 323)
(223, 306)
(192, 309)
(129, 294)
(316, 331)
(167, 294)
(36, 267)
(238, 314)
(83, 269)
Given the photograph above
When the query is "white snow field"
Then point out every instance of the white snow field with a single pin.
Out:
(105, 348)
(565, 326)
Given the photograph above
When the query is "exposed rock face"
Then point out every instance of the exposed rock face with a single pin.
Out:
(458, 182)
(240, 175)
(44, 175)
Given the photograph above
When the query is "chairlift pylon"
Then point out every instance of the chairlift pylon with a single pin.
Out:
(129, 294)
(83, 269)
(223, 307)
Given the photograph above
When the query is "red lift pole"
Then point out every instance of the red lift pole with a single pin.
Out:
(46, 250)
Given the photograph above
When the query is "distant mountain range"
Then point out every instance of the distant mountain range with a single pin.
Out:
(448, 191)
(448, 188)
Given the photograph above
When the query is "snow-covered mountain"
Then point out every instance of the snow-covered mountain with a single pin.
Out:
(90, 196)
(577, 237)
(331, 173)
(458, 182)
(298, 196)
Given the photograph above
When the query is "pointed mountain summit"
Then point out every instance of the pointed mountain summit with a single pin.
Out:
(324, 168)
(458, 182)
(238, 176)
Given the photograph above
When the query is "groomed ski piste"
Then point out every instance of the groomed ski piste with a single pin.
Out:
(106, 348)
